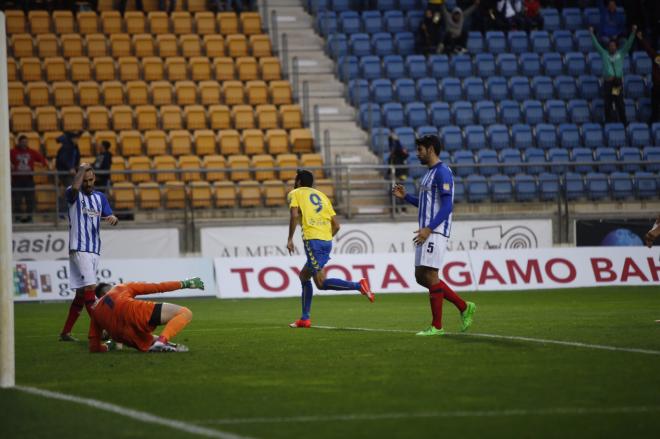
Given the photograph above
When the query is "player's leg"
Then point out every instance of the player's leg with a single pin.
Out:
(77, 282)
(74, 312)
(428, 258)
(306, 298)
(175, 318)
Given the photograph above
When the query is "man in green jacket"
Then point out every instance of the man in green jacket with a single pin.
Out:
(613, 75)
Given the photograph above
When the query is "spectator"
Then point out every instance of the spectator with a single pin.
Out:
(171, 4)
(66, 163)
(531, 15)
(510, 14)
(102, 166)
(231, 5)
(22, 160)
(398, 157)
(612, 24)
(455, 36)
(655, 94)
(431, 32)
(122, 6)
(436, 5)
(613, 75)
(485, 18)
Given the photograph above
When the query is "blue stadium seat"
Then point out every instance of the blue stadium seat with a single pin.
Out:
(574, 186)
(476, 188)
(575, 63)
(535, 156)
(438, 66)
(451, 89)
(634, 86)
(551, 20)
(326, 23)
(440, 114)
(591, 17)
(595, 63)
(558, 157)
(444, 155)
(638, 134)
(572, 18)
(548, 187)
(427, 130)
(583, 41)
(646, 185)
(348, 67)
(459, 189)
(546, 136)
(487, 157)
(414, 19)
(530, 64)
(359, 44)
(473, 89)
(393, 116)
(556, 111)
(380, 142)
(512, 159)
(592, 135)
(569, 135)
(461, 65)
(615, 134)
(463, 113)
(394, 67)
(318, 5)
(416, 169)
(597, 110)
(552, 64)
(485, 64)
(358, 91)
(540, 40)
(416, 114)
(486, 112)
(337, 45)
(543, 88)
(627, 66)
(404, 43)
(475, 137)
(452, 139)
(522, 136)
(394, 21)
(382, 44)
(644, 109)
(655, 133)
(498, 136)
(409, 184)
(404, 90)
(385, 5)
(406, 137)
(497, 88)
(519, 88)
(416, 66)
(628, 155)
(518, 42)
(381, 91)
(510, 112)
(532, 112)
(524, 187)
(501, 188)
(372, 22)
(370, 116)
(578, 111)
(349, 22)
(475, 42)
(341, 5)
(464, 158)
(604, 155)
(583, 155)
(565, 87)
(651, 153)
(370, 67)
(597, 185)
(563, 41)
(507, 64)
(495, 42)
(642, 64)
(588, 86)
(427, 90)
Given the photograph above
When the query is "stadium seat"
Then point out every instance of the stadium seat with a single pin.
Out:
(463, 163)
(622, 185)
(548, 187)
(393, 66)
(72, 119)
(507, 64)
(574, 186)
(205, 23)
(498, 136)
(461, 65)
(243, 116)
(452, 138)
(595, 63)
(214, 165)
(246, 67)
(382, 44)
(416, 66)
(438, 66)
(634, 86)
(510, 112)
(485, 64)
(638, 134)
(556, 111)
(520, 89)
(646, 185)
(359, 44)
(518, 42)
(427, 90)
(512, 159)
(565, 87)
(546, 136)
(651, 153)
(263, 164)
(563, 41)
(558, 157)
(597, 185)
(139, 163)
(155, 142)
(535, 156)
(615, 134)
(578, 111)
(46, 119)
(227, 23)
(38, 93)
(583, 155)
(260, 46)
(250, 23)
(551, 19)
(486, 112)
(532, 112)
(475, 42)
(572, 18)
(131, 143)
(569, 135)
(543, 88)
(486, 157)
(629, 155)
(552, 64)
(642, 63)
(337, 45)
(497, 88)
(393, 116)
(477, 189)
(463, 113)
(122, 117)
(394, 21)
(583, 41)
(225, 194)
(530, 64)
(575, 64)
(372, 22)
(440, 114)
(239, 164)
(451, 89)
(524, 187)
(370, 67)
(473, 89)
(495, 42)
(404, 90)
(501, 188)
(475, 137)
(253, 142)
(404, 43)
(301, 140)
(267, 117)
(540, 41)
(592, 135)
(605, 159)
(416, 115)
(117, 164)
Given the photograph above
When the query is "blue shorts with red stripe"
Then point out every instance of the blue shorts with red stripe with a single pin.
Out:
(318, 254)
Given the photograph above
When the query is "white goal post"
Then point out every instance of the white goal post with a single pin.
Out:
(7, 365)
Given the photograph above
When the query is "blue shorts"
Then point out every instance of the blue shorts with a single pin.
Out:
(318, 254)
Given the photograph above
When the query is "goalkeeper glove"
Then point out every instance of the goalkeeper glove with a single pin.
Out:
(195, 283)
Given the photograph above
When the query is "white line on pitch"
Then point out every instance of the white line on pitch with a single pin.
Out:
(511, 337)
(133, 414)
(439, 414)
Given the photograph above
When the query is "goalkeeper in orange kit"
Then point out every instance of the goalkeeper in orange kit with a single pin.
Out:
(132, 322)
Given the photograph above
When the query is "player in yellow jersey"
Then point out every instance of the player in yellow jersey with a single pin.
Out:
(318, 221)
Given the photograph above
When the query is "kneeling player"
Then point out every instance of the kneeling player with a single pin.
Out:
(132, 322)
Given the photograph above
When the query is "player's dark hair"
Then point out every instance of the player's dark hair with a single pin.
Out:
(101, 289)
(304, 178)
(430, 141)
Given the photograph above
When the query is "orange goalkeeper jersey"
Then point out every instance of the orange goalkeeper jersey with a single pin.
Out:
(125, 318)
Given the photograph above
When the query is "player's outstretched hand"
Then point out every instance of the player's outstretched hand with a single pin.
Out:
(399, 191)
(194, 283)
(112, 220)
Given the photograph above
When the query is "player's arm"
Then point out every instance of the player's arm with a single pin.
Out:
(106, 212)
(334, 224)
(294, 215)
(95, 344)
(400, 192)
(141, 288)
(78, 179)
(652, 234)
(444, 182)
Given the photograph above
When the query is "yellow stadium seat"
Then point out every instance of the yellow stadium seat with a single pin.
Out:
(170, 117)
(129, 68)
(274, 193)
(165, 163)
(253, 142)
(73, 118)
(143, 44)
(239, 164)
(117, 165)
(209, 92)
(72, 45)
(15, 22)
(64, 93)
(312, 160)
(217, 162)
(12, 69)
(159, 22)
(280, 92)
(85, 145)
(260, 46)
(200, 69)
(47, 45)
(155, 142)
(185, 92)
(289, 161)
(113, 93)
(219, 117)
(229, 142)
(51, 146)
(123, 195)
(63, 22)
(224, 68)
(120, 45)
(205, 23)
(248, 69)
(291, 116)
(227, 23)
(263, 164)
(327, 187)
(181, 23)
(39, 22)
(16, 94)
(161, 93)
(180, 142)
(21, 119)
(237, 45)
(233, 92)
(278, 141)
(137, 93)
(146, 117)
(176, 69)
(46, 118)
(270, 68)
(45, 197)
(204, 141)
(131, 143)
(87, 22)
(251, 23)
(243, 116)
(139, 163)
(267, 117)
(190, 45)
(96, 45)
(249, 193)
(301, 140)
(40, 176)
(80, 68)
(152, 68)
(167, 45)
(31, 69)
(111, 22)
(134, 22)
(122, 117)
(214, 45)
(22, 45)
(98, 118)
(200, 194)
(225, 194)
(104, 69)
(105, 136)
(149, 195)
(55, 68)
(38, 94)
(195, 117)
(193, 163)
(257, 92)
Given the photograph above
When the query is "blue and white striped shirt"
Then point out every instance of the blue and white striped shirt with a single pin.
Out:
(85, 213)
(436, 199)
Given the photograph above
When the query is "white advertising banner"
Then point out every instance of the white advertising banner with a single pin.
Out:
(363, 238)
(49, 280)
(116, 243)
(484, 270)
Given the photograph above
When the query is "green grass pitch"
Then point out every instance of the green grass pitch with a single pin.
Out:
(248, 374)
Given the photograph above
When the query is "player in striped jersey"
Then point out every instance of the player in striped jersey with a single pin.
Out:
(435, 203)
(86, 209)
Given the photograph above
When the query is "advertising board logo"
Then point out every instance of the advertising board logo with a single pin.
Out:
(354, 242)
(496, 237)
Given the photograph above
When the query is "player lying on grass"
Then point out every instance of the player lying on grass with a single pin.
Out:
(435, 203)
(132, 322)
(652, 234)
(318, 221)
